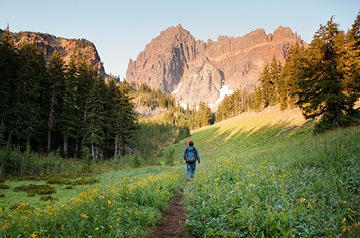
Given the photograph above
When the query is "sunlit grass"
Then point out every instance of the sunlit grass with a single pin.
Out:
(125, 207)
(257, 178)
(258, 182)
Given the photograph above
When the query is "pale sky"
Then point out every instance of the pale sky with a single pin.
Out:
(121, 29)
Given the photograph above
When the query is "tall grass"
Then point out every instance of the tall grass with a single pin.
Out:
(262, 185)
(127, 208)
(13, 162)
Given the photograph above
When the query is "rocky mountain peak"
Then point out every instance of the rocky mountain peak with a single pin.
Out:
(284, 33)
(47, 44)
(194, 70)
(166, 56)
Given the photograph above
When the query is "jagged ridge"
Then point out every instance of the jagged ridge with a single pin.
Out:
(195, 70)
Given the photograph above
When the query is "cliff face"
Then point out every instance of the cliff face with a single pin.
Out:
(196, 70)
(47, 44)
(164, 60)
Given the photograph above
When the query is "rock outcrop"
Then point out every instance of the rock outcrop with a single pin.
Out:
(47, 44)
(194, 70)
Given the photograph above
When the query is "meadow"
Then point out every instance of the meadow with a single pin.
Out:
(262, 175)
(268, 175)
(124, 204)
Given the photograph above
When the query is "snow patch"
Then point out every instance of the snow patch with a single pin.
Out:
(183, 105)
(177, 89)
(224, 91)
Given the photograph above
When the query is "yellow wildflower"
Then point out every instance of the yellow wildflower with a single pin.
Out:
(84, 216)
(217, 180)
(346, 229)
(351, 210)
(33, 235)
(20, 206)
(109, 202)
(302, 200)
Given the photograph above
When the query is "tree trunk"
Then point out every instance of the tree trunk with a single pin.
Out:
(50, 121)
(77, 146)
(93, 156)
(49, 141)
(66, 145)
(116, 147)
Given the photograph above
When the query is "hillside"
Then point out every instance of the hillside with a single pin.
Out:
(253, 121)
(267, 175)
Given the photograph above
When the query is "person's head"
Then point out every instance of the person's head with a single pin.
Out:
(191, 143)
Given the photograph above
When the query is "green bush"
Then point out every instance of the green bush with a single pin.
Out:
(35, 189)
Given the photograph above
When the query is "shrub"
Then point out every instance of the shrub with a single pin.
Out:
(35, 189)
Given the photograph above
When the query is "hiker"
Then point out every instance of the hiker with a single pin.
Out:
(190, 156)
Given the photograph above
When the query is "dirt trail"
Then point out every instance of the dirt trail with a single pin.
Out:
(172, 223)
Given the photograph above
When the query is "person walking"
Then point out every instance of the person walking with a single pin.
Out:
(191, 155)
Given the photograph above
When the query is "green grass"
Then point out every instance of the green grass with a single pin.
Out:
(255, 183)
(262, 175)
(126, 203)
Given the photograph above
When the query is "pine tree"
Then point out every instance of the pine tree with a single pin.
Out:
(54, 93)
(94, 117)
(322, 84)
(27, 122)
(125, 124)
(9, 64)
(288, 81)
(112, 107)
(350, 67)
(85, 80)
(275, 73)
(67, 118)
(207, 115)
(268, 80)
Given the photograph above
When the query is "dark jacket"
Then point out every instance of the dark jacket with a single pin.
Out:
(196, 154)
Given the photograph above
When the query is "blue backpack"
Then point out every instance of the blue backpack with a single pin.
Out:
(190, 155)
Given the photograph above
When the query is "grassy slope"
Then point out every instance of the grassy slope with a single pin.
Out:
(245, 134)
(291, 168)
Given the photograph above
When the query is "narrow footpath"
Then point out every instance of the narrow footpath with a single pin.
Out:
(172, 223)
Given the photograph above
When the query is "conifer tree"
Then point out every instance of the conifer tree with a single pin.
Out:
(55, 92)
(9, 64)
(203, 115)
(27, 123)
(94, 118)
(67, 118)
(112, 107)
(322, 86)
(85, 80)
(207, 115)
(125, 121)
(269, 82)
(288, 81)
(350, 67)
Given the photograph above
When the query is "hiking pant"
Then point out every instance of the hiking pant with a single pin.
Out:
(190, 170)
